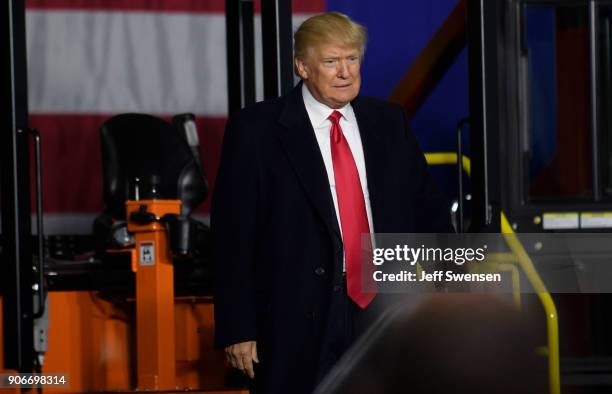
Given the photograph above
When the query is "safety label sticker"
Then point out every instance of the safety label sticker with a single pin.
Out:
(596, 219)
(560, 220)
(147, 253)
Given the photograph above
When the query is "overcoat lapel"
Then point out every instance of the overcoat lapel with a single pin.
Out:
(371, 131)
(300, 144)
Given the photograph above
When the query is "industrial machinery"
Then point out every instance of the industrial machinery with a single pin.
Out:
(540, 158)
(130, 307)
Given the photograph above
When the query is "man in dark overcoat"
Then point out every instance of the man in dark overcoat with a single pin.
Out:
(301, 178)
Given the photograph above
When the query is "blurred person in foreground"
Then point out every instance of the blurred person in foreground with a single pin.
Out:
(444, 343)
(301, 178)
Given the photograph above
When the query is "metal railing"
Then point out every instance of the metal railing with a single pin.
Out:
(524, 261)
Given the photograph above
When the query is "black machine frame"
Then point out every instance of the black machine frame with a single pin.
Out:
(277, 48)
(276, 26)
(484, 117)
(497, 105)
(17, 249)
(240, 53)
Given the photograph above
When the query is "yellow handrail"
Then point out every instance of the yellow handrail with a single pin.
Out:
(552, 323)
(448, 158)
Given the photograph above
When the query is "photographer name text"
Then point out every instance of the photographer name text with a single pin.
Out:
(435, 276)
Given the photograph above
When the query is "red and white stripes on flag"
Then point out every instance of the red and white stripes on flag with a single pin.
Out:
(91, 59)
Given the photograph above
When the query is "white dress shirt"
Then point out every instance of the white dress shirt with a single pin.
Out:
(318, 113)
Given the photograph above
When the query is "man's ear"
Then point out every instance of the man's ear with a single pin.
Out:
(302, 68)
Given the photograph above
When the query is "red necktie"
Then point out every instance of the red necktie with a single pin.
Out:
(353, 216)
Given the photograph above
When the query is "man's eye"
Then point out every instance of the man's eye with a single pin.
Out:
(353, 59)
(329, 61)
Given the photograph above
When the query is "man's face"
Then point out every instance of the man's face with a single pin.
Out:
(332, 73)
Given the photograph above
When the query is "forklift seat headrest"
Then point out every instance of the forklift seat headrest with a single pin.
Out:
(152, 150)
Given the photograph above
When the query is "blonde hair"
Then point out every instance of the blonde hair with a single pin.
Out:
(330, 27)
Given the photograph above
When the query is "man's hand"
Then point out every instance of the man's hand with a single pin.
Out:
(241, 356)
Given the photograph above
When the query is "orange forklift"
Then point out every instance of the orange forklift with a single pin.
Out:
(128, 308)
(131, 307)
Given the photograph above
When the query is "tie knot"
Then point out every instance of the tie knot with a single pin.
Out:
(335, 117)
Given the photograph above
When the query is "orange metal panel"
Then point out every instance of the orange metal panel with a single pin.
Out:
(93, 341)
(154, 297)
(198, 365)
(90, 340)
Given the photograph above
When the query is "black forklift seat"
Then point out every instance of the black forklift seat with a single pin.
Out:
(146, 157)
(145, 147)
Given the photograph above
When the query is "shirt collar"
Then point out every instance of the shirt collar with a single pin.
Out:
(319, 112)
